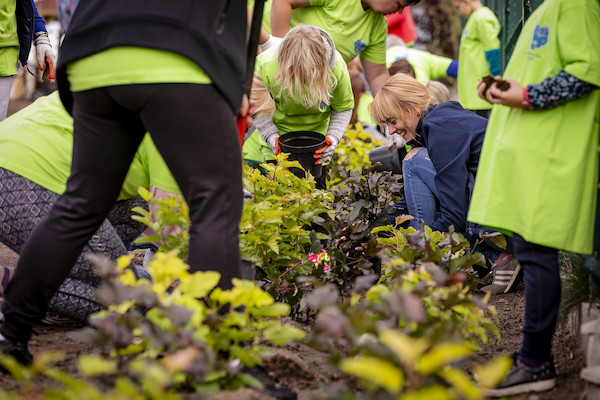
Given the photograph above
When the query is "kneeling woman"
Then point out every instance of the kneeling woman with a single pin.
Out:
(439, 172)
(35, 158)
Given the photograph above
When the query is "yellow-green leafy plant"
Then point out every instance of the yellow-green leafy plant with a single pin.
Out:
(280, 224)
(178, 333)
(351, 154)
(409, 337)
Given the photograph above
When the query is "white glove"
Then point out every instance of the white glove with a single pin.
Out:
(325, 154)
(272, 42)
(44, 52)
(274, 144)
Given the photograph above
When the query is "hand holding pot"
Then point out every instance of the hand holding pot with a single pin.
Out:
(325, 153)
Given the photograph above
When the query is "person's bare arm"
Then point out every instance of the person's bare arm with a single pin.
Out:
(281, 15)
(375, 74)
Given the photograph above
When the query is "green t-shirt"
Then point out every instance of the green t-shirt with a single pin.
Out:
(266, 19)
(538, 172)
(352, 29)
(290, 115)
(427, 66)
(37, 143)
(9, 41)
(133, 65)
(362, 113)
(479, 35)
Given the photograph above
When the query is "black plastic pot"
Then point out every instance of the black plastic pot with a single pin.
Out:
(390, 159)
(302, 146)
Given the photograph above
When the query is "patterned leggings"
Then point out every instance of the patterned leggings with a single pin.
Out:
(24, 203)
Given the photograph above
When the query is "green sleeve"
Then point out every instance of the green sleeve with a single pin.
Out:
(343, 99)
(581, 58)
(487, 32)
(438, 66)
(375, 52)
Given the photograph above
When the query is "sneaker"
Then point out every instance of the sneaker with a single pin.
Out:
(523, 378)
(17, 350)
(507, 274)
(55, 320)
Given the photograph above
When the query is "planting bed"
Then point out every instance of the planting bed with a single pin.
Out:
(307, 370)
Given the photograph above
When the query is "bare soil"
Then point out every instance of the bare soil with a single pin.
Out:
(308, 371)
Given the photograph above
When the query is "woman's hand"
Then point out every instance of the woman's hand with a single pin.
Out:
(514, 96)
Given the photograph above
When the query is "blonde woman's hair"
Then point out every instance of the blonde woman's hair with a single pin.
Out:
(402, 97)
(438, 91)
(264, 105)
(304, 67)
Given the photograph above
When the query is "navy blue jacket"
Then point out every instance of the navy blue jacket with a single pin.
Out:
(453, 137)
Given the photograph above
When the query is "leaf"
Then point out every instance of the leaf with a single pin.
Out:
(492, 373)
(406, 349)
(200, 284)
(282, 334)
(274, 310)
(385, 228)
(144, 193)
(94, 365)
(440, 355)
(180, 360)
(374, 371)
(400, 219)
(462, 383)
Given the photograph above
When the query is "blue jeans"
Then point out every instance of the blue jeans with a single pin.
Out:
(422, 202)
(419, 187)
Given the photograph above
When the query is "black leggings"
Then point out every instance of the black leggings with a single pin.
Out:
(542, 297)
(194, 130)
(24, 203)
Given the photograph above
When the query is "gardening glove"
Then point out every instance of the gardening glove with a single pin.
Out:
(272, 42)
(269, 132)
(338, 123)
(45, 56)
(325, 153)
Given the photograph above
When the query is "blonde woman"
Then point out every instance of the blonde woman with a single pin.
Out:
(300, 85)
(439, 173)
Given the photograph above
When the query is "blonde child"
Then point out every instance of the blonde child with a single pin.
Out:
(300, 85)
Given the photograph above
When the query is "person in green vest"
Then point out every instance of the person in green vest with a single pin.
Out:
(538, 172)
(300, 85)
(427, 66)
(478, 53)
(36, 147)
(357, 27)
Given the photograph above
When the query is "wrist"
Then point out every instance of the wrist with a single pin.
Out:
(525, 103)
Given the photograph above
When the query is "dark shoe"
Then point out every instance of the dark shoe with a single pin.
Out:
(507, 275)
(523, 378)
(17, 350)
(270, 387)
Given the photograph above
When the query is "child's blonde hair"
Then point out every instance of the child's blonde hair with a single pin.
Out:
(305, 72)
(401, 97)
(438, 91)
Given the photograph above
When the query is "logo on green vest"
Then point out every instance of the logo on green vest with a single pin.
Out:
(359, 46)
(540, 37)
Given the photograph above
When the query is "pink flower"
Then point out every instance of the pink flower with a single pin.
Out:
(320, 258)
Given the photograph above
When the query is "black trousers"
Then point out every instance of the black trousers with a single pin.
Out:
(194, 130)
(542, 297)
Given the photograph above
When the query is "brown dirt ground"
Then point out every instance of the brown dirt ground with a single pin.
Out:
(308, 372)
